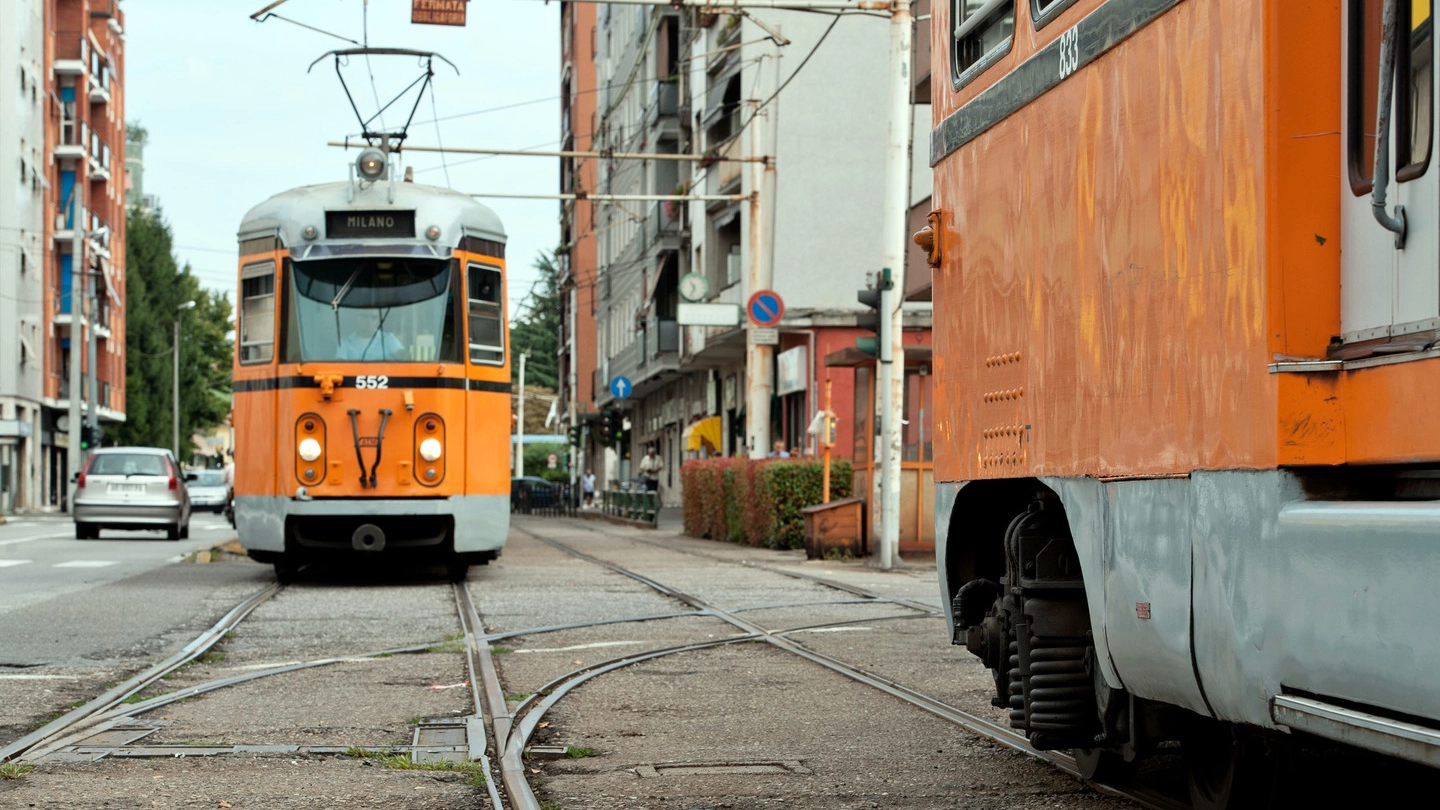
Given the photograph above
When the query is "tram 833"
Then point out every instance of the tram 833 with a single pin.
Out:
(371, 374)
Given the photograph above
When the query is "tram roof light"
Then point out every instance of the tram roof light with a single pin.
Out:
(371, 164)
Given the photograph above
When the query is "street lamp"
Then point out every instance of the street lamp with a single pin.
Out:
(175, 401)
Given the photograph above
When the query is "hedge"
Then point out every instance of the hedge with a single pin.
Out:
(756, 502)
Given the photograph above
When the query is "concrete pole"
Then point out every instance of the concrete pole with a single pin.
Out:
(577, 450)
(896, 215)
(73, 457)
(92, 383)
(520, 425)
(175, 386)
(759, 360)
(175, 395)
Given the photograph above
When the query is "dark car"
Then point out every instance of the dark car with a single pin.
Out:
(531, 492)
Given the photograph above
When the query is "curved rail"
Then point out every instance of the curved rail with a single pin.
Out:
(38, 742)
(971, 722)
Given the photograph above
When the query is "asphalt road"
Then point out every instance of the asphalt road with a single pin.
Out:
(107, 604)
(40, 559)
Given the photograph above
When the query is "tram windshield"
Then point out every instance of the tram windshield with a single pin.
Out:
(372, 309)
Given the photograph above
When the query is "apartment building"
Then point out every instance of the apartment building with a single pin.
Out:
(680, 82)
(78, 104)
(24, 177)
(576, 259)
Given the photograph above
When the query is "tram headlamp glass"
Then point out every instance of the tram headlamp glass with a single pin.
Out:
(371, 164)
(432, 233)
(309, 449)
(430, 449)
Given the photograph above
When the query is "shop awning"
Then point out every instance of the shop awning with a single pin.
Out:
(705, 433)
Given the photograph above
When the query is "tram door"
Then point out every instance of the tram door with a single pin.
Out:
(1389, 292)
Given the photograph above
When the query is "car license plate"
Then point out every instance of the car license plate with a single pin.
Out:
(126, 489)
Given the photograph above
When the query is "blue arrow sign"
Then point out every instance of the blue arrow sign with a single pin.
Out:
(620, 388)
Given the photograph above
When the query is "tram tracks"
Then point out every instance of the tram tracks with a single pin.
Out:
(974, 723)
(500, 731)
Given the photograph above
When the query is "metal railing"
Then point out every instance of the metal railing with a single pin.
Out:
(631, 504)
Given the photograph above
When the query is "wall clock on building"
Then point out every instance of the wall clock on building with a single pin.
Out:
(694, 287)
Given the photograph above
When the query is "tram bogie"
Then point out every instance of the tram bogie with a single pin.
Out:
(372, 379)
(1204, 508)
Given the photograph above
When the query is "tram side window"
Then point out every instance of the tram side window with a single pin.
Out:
(983, 30)
(257, 313)
(487, 326)
(1414, 87)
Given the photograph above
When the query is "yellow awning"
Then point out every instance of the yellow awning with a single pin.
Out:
(706, 431)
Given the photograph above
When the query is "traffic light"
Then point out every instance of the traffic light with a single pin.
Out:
(86, 439)
(608, 423)
(877, 320)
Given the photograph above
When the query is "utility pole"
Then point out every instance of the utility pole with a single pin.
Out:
(175, 385)
(92, 384)
(577, 449)
(520, 425)
(73, 457)
(892, 348)
(759, 359)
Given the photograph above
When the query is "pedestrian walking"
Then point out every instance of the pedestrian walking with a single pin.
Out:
(587, 487)
(650, 467)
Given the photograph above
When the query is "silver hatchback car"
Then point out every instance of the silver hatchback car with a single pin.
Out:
(131, 488)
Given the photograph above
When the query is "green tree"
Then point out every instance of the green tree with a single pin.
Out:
(536, 328)
(155, 287)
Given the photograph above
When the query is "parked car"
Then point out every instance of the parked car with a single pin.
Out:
(131, 488)
(532, 492)
(208, 490)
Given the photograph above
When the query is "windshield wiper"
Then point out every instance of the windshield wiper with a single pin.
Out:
(340, 296)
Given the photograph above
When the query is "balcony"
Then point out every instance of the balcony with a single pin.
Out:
(665, 225)
(664, 110)
(99, 90)
(723, 177)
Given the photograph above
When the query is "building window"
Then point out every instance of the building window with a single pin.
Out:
(257, 313)
(983, 31)
(487, 325)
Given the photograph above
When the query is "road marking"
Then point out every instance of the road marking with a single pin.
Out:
(8, 563)
(85, 564)
(581, 647)
(36, 537)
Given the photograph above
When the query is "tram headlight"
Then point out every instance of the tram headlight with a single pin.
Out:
(309, 449)
(371, 164)
(430, 449)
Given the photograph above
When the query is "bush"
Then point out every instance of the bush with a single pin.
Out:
(756, 502)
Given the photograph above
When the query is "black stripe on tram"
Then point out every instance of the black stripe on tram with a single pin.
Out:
(455, 383)
(1086, 41)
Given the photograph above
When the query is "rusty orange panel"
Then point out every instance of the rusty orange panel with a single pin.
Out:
(1311, 427)
(1390, 415)
(1302, 175)
(1111, 234)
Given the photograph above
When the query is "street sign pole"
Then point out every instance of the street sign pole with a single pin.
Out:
(520, 425)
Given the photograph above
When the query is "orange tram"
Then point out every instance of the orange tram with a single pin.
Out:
(1188, 258)
(371, 380)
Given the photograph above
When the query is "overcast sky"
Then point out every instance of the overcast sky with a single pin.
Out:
(234, 118)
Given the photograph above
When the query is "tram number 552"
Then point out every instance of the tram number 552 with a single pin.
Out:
(372, 381)
(1069, 52)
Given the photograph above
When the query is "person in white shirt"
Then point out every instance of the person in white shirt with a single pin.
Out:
(587, 486)
(779, 450)
(650, 467)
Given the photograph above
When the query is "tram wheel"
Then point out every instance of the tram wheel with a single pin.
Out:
(285, 572)
(1101, 765)
(456, 570)
(1227, 768)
